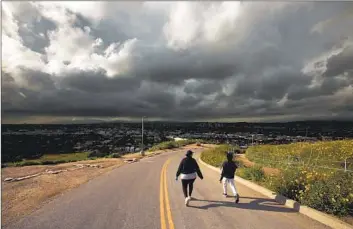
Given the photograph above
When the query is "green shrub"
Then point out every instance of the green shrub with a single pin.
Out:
(49, 162)
(334, 195)
(254, 173)
(54, 162)
(97, 154)
(60, 161)
(115, 155)
(289, 183)
(171, 144)
(240, 164)
(27, 163)
(216, 156)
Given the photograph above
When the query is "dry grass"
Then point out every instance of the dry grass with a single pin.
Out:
(22, 197)
(47, 159)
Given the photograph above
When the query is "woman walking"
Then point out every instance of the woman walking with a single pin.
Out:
(227, 176)
(188, 171)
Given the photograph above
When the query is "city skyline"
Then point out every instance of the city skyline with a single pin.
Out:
(67, 62)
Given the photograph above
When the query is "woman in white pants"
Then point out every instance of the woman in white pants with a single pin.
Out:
(227, 176)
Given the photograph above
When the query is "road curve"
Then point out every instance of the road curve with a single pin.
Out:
(146, 195)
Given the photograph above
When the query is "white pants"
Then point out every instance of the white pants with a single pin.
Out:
(231, 184)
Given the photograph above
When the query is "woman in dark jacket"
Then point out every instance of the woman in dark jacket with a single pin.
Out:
(188, 169)
(227, 176)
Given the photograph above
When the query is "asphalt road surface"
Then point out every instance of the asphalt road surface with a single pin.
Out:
(145, 195)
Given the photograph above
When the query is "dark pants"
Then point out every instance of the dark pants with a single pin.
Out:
(187, 183)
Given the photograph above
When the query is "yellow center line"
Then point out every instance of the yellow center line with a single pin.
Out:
(169, 213)
(161, 200)
(164, 199)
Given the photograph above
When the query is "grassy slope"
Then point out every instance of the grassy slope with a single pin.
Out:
(215, 156)
(323, 153)
(304, 184)
(47, 159)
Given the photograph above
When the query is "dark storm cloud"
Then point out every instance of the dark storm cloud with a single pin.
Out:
(37, 79)
(189, 101)
(340, 63)
(257, 75)
(203, 87)
(98, 82)
(329, 86)
(31, 88)
(157, 96)
(175, 67)
(277, 84)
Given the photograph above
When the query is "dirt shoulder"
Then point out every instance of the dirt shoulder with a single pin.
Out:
(19, 198)
(247, 163)
(22, 197)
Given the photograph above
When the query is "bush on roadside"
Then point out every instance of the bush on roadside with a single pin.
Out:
(333, 195)
(254, 173)
(96, 154)
(49, 162)
(330, 193)
(115, 155)
(216, 156)
(239, 163)
(171, 144)
(27, 163)
(292, 182)
(60, 161)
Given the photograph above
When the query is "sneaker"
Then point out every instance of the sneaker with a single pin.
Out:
(225, 195)
(187, 199)
(237, 198)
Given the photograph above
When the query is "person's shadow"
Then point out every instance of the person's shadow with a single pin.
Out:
(260, 204)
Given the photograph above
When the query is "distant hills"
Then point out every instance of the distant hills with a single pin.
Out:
(99, 121)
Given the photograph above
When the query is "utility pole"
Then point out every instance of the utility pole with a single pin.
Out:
(252, 140)
(142, 147)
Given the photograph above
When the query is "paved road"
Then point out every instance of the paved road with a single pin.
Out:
(131, 196)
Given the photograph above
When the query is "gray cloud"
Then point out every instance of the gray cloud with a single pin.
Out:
(121, 64)
(340, 63)
(203, 87)
(98, 82)
(35, 36)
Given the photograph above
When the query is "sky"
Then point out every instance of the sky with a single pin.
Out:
(185, 61)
